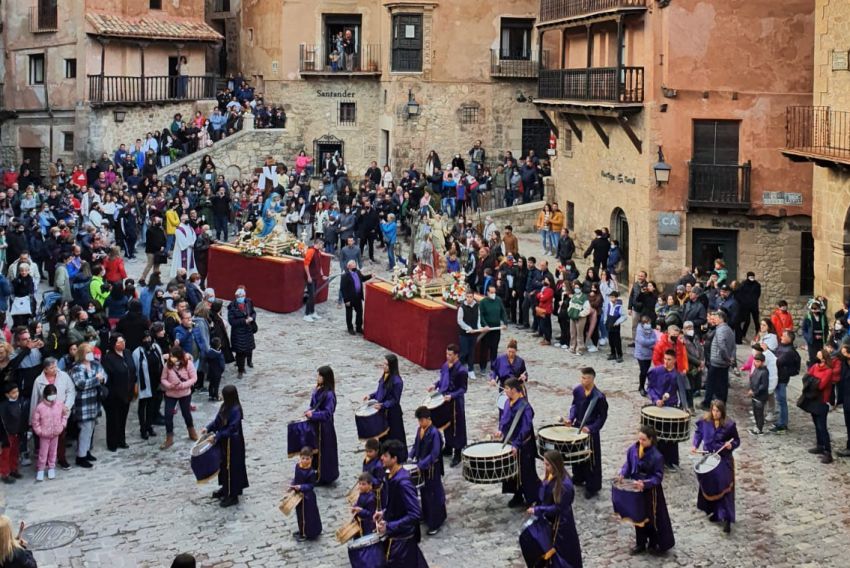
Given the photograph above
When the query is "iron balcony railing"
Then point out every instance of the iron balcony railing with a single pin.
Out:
(44, 17)
(607, 84)
(516, 65)
(315, 59)
(113, 89)
(554, 10)
(818, 130)
(719, 186)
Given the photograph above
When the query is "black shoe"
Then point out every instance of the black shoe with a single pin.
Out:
(642, 391)
(145, 436)
(619, 359)
(90, 457)
(612, 358)
(516, 501)
(123, 446)
(727, 527)
(447, 451)
(218, 494)
(64, 465)
(359, 332)
(115, 449)
(8, 480)
(455, 461)
(825, 458)
(83, 462)
(151, 432)
(296, 534)
(637, 549)
(250, 364)
(588, 494)
(351, 332)
(16, 474)
(817, 450)
(432, 532)
(229, 501)
(632, 345)
(299, 538)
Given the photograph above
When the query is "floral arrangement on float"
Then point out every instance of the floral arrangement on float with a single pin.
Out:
(404, 286)
(251, 247)
(297, 249)
(455, 293)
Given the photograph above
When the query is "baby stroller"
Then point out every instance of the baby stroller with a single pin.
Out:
(48, 300)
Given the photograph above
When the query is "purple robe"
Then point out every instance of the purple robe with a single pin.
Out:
(232, 475)
(453, 382)
(565, 537)
(502, 369)
(389, 395)
(589, 473)
(402, 515)
(366, 502)
(323, 404)
(307, 511)
(523, 440)
(660, 381)
(428, 452)
(658, 532)
(376, 469)
(719, 505)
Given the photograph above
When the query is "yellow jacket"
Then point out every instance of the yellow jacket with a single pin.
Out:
(172, 221)
(557, 221)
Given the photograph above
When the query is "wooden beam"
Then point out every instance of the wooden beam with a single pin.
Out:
(627, 128)
(598, 128)
(551, 123)
(573, 126)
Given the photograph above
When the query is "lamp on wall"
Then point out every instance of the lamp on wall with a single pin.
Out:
(119, 115)
(661, 169)
(412, 105)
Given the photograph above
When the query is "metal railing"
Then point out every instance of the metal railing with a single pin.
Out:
(115, 89)
(719, 186)
(818, 130)
(44, 17)
(516, 65)
(316, 59)
(623, 85)
(553, 10)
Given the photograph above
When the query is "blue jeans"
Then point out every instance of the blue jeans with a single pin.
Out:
(553, 241)
(391, 254)
(448, 206)
(467, 349)
(544, 238)
(781, 394)
(821, 429)
(603, 329)
(169, 243)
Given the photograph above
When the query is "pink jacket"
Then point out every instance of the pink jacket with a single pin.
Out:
(178, 383)
(49, 420)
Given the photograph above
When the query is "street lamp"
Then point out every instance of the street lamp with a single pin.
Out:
(120, 115)
(412, 105)
(662, 169)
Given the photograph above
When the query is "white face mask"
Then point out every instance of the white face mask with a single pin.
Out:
(50, 397)
(689, 332)
(491, 296)
(89, 356)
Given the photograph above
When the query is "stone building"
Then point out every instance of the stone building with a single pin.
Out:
(708, 82)
(423, 75)
(820, 134)
(82, 76)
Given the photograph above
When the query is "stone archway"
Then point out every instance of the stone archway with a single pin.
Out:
(233, 172)
(620, 232)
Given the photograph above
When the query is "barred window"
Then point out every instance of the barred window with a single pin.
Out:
(347, 114)
(469, 115)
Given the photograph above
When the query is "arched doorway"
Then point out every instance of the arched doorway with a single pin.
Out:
(620, 232)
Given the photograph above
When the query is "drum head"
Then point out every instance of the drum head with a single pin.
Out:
(629, 485)
(433, 400)
(203, 445)
(502, 401)
(558, 433)
(707, 464)
(365, 541)
(366, 410)
(486, 450)
(665, 412)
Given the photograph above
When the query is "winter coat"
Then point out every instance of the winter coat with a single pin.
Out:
(645, 340)
(49, 420)
(65, 390)
(241, 336)
(178, 382)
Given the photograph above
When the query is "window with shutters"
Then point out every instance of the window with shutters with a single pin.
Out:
(716, 142)
(807, 263)
(407, 43)
(515, 39)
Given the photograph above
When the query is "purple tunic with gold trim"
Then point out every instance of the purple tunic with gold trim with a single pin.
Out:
(660, 381)
(307, 511)
(367, 504)
(650, 469)
(388, 394)
(232, 475)
(565, 540)
(323, 403)
(428, 452)
(717, 489)
(453, 382)
(502, 369)
(589, 473)
(522, 439)
(402, 515)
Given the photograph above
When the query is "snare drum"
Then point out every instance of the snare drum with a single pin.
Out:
(715, 480)
(572, 444)
(348, 531)
(300, 434)
(371, 422)
(672, 424)
(441, 411)
(415, 474)
(368, 551)
(290, 501)
(535, 540)
(489, 462)
(629, 502)
(205, 459)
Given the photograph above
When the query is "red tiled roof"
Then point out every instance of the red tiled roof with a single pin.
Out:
(151, 27)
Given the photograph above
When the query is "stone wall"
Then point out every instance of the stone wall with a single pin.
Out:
(522, 217)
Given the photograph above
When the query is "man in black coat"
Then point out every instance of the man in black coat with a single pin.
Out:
(748, 295)
(367, 228)
(351, 284)
(599, 247)
(566, 246)
(133, 325)
(154, 245)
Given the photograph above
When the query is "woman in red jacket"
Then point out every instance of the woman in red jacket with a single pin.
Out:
(113, 266)
(545, 305)
(827, 374)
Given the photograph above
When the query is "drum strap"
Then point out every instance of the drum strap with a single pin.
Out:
(515, 422)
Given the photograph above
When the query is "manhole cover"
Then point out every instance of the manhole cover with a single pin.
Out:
(52, 534)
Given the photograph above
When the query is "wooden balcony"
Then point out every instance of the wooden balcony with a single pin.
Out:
(124, 90)
(44, 17)
(314, 61)
(555, 12)
(819, 135)
(719, 186)
(606, 86)
(515, 66)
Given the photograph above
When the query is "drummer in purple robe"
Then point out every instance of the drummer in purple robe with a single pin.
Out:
(645, 465)
(452, 385)
(427, 452)
(556, 507)
(388, 396)
(227, 427)
(307, 511)
(662, 387)
(717, 433)
(508, 365)
(366, 505)
(321, 415)
(373, 466)
(399, 520)
(590, 409)
(519, 416)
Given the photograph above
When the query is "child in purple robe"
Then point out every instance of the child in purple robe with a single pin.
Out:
(427, 451)
(321, 415)
(365, 507)
(526, 486)
(716, 494)
(663, 390)
(307, 511)
(373, 466)
(388, 395)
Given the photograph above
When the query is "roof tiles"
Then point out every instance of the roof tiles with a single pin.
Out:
(151, 27)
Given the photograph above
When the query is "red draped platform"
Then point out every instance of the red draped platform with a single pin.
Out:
(274, 284)
(418, 329)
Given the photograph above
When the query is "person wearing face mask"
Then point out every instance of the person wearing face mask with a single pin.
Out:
(242, 319)
(88, 377)
(65, 391)
(13, 426)
(155, 240)
(177, 379)
(748, 295)
(48, 422)
(578, 310)
(121, 380)
(147, 360)
(671, 340)
(815, 330)
(351, 286)
(492, 314)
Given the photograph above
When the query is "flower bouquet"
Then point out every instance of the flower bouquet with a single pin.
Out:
(405, 289)
(252, 247)
(297, 249)
(456, 290)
